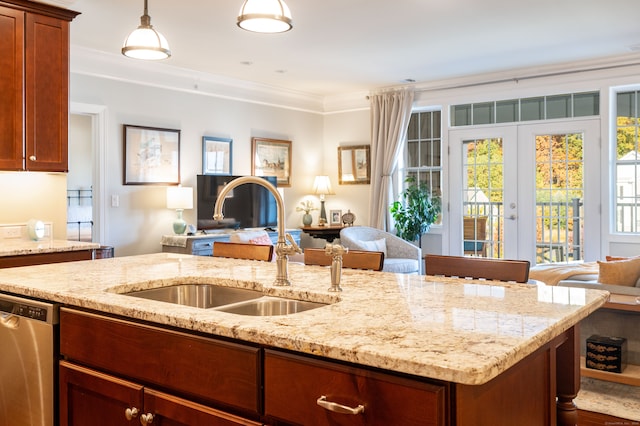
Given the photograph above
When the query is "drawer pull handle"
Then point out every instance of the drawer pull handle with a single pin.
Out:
(338, 408)
(146, 419)
(131, 413)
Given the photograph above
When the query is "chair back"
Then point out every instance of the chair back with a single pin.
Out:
(243, 251)
(353, 259)
(477, 267)
(475, 235)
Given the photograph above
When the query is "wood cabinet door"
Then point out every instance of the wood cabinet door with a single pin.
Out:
(11, 88)
(303, 390)
(47, 93)
(88, 397)
(168, 410)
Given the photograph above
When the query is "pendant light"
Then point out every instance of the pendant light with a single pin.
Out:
(145, 42)
(265, 16)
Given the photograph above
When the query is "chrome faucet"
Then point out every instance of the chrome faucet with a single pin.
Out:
(283, 250)
(335, 251)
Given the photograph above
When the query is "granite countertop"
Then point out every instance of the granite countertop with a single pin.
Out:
(26, 247)
(448, 329)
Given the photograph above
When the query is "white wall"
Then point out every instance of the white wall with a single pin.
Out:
(34, 195)
(137, 224)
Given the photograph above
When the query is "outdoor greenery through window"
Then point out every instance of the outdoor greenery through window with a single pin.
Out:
(627, 164)
(423, 158)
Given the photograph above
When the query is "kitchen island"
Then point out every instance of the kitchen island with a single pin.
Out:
(17, 252)
(488, 353)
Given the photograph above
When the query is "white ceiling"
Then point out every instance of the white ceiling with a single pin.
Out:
(344, 46)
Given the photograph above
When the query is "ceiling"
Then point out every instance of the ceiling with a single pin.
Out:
(344, 46)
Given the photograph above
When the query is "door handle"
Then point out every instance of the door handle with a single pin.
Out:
(10, 321)
(512, 217)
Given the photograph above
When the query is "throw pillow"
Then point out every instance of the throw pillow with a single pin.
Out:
(262, 239)
(374, 245)
(619, 272)
(247, 236)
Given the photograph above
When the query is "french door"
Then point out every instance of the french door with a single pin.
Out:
(529, 191)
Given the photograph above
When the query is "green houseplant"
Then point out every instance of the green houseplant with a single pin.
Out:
(416, 210)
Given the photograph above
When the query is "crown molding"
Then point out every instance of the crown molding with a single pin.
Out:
(113, 66)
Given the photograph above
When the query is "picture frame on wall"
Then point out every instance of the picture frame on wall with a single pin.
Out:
(151, 155)
(335, 217)
(271, 157)
(216, 156)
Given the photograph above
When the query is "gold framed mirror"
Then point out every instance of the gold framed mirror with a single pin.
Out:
(354, 164)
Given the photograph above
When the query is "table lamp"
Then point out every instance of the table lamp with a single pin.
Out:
(179, 198)
(322, 187)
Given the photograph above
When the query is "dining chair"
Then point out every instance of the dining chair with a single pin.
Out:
(353, 259)
(477, 267)
(247, 251)
(475, 235)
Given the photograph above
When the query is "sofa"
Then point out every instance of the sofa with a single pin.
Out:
(400, 256)
(614, 274)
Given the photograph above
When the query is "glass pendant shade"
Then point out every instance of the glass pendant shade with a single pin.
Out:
(145, 42)
(265, 16)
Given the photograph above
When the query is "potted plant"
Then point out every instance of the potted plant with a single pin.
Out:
(416, 210)
(306, 207)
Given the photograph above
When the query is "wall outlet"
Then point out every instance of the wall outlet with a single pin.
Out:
(11, 232)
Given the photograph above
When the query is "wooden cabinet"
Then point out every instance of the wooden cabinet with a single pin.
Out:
(302, 390)
(88, 397)
(42, 258)
(34, 82)
(213, 372)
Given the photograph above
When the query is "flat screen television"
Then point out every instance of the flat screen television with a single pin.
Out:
(247, 206)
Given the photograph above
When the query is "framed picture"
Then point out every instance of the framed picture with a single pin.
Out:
(216, 156)
(151, 156)
(335, 217)
(271, 157)
(353, 165)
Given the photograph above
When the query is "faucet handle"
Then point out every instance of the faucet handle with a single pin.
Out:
(335, 249)
(296, 247)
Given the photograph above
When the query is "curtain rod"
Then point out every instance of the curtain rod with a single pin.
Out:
(518, 79)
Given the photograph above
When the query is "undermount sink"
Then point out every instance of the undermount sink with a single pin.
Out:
(198, 295)
(270, 306)
(232, 300)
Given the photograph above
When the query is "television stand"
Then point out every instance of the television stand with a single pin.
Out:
(201, 244)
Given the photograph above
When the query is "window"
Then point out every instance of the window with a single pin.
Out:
(423, 155)
(627, 164)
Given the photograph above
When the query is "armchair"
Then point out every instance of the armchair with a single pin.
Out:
(399, 255)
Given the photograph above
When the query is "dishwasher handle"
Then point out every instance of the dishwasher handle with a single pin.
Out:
(9, 320)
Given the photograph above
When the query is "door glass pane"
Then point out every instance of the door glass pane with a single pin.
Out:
(483, 198)
(559, 198)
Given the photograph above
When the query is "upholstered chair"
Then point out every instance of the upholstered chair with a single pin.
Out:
(399, 255)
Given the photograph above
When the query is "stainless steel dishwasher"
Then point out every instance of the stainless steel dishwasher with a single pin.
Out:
(28, 360)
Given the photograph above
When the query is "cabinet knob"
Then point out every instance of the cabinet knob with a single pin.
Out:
(338, 408)
(32, 157)
(146, 419)
(131, 413)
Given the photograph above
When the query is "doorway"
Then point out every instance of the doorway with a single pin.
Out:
(86, 180)
(521, 191)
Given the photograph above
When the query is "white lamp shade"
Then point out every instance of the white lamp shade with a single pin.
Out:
(322, 186)
(146, 43)
(179, 197)
(265, 16)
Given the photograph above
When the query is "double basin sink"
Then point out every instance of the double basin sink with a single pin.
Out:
(233, 300)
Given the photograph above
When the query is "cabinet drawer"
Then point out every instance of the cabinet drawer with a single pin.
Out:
(293, 384)
(193, 366)
(202, 246)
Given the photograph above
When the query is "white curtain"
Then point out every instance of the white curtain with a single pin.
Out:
(390, 114)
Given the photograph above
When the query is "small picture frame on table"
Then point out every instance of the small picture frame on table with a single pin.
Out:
(216, 156)
(335, 217)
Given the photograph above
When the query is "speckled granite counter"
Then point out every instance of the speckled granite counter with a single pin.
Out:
(459, 331)
(27, 247)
